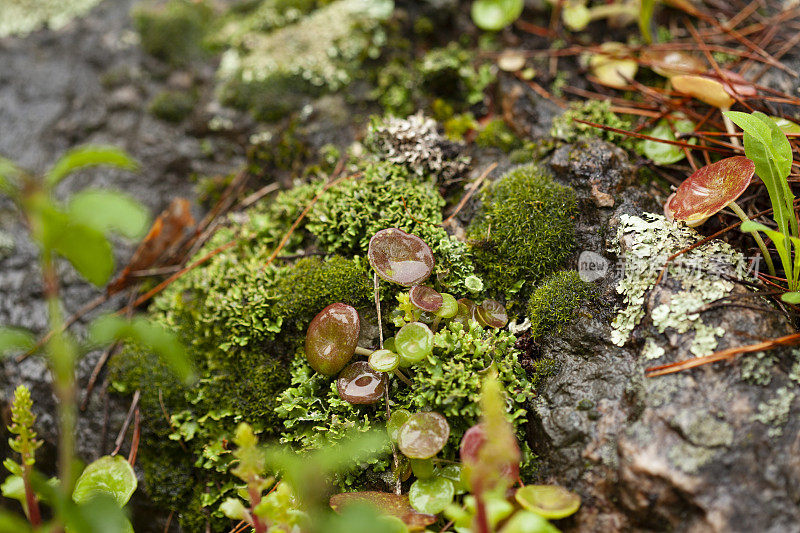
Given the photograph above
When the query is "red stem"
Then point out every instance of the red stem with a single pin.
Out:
(255, 499)
(481, 520)
(34, 515)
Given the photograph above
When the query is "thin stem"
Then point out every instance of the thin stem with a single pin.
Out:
(402, 377)
(731, 130)
(363, 351)
(741, 214)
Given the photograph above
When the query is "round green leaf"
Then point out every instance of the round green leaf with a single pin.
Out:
(431, 495)
(396, 421)
(528, 522)
(548, 501)
(663, 153)
(494, 15)
(110, 475)
(423, 435)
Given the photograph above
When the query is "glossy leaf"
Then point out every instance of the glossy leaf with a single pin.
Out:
(785, 125)
(549, 501)
(431, 496)
(663, 153)
(494, 15)
(449, 306)
(426, 298)
(704, 89)
(423, 435)
(528, 522)
(400, 257)
(89, 156)
(396, 421)
(384, 360)
(414, 342)
(710, 189)
(669, 63)
(150, 335)
(109, 211)
(111, 475)
(15, 339)
(332, 337)
(422, 469)
(734, 83)
(466, 311)
(396, 505)
(492, 313)
(358, 383)
(769, 148)
(613, 66)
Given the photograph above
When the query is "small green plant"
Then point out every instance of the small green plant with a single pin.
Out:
(77, 231)
(769, 149)
(494, 15)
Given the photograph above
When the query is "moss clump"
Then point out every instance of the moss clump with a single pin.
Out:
(597, 111)
(496, 134)
(320, 51)
(172, 106)
(173, 32)
(524, 231)
(555, 301)
(388, 195)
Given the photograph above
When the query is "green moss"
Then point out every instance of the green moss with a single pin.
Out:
(346, 217)
(497, 134)
(597, 111)
(273, 56)
(555, 301)
(174, 31)
(172, 106)
(524, 230)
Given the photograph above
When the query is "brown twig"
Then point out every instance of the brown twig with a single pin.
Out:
(473, 188)
(127, 423)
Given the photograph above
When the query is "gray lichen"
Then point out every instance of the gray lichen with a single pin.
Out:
(644, 244)
(690, 458)
(414, 143)
(775, 411)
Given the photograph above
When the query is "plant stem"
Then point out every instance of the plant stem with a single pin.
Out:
(731, 130)
(742, 215)
(363, 351)
(32, 502)
(62, 364)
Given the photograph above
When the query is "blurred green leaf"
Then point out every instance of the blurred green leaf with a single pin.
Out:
(791, 297)
(109, 211)
(101, 514)
(494, 15)
(785, 125)
(646, 8)
(15, 339)
(12, 522)
(8, 173)
(663, 153)
(149, 335)
(14, 488)
(110, 475)
(89, 156)
(88, 250)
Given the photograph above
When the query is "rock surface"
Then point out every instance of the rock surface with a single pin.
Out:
(710, 449)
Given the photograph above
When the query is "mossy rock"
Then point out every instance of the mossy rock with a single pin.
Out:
(173, 32)
(554, 302)
(524, 231)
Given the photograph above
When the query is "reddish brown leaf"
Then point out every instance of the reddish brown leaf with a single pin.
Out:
(709, 189)
(167, 229)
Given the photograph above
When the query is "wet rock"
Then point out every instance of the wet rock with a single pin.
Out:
(710, 449)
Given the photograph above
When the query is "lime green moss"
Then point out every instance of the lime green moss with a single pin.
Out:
(172, 106)
(555, 301)
(174, 31)
(496, 134)
(388, 195)
(597, 111)
(524, 230)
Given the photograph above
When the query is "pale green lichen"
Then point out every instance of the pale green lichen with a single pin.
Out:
(690, 458)
(652, 350)
(757, 368)
(775, 411)
(703, 429)
(21, 17)
(649, 241)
